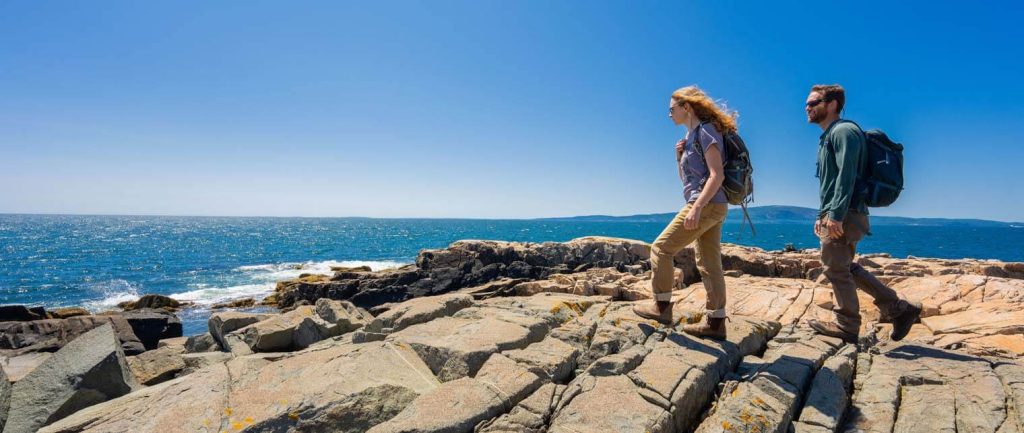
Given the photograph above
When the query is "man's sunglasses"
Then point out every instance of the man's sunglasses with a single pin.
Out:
(814, 103)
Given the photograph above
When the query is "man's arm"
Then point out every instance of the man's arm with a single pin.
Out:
(847, 143)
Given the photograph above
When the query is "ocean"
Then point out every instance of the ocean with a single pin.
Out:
(98, 261)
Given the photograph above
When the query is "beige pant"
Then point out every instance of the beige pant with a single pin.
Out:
(674, 238)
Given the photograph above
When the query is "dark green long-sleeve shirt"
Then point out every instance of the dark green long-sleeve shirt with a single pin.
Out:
(841, 157)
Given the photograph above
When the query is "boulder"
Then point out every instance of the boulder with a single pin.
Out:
(343, 388)
(64, 313)
(223, 323)
(238, 303)
(201, 343)
(419, 310)
(363, 268)
(342, 315)
(153, 325)
(49, 335)
(155, 366)
(293, 330)
(176, 341)
(21, 313)
(90, 369)
(151, 301)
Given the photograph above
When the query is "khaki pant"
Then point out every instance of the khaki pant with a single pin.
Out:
(846, 276)
(708, 236)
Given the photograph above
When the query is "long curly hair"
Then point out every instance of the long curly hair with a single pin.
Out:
(706, 109)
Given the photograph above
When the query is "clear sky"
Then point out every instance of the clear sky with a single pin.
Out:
(486, 108)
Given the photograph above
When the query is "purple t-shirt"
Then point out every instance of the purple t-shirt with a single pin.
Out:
(694, 170)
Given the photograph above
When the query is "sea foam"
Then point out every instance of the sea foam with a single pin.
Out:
(258, 281)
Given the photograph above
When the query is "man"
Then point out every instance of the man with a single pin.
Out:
(843, 221)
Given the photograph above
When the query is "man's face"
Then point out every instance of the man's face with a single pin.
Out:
(816, 107)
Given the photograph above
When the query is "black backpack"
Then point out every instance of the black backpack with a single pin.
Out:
(738, 184)
(882, 180)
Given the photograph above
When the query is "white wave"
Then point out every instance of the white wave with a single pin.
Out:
(206, 296)
(112, 293)
(285, 271)
(263, 278)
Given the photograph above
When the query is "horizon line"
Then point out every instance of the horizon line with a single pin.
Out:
(438, 218)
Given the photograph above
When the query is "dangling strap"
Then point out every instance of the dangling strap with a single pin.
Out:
(746, 217)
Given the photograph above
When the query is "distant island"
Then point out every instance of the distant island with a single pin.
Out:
(792, 214)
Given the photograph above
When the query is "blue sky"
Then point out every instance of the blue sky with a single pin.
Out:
(486, 108)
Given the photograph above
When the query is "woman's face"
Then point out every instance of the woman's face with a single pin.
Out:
(678, 113)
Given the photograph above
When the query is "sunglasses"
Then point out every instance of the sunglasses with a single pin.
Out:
(814, 103)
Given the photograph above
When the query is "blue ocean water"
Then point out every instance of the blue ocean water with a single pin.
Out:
(98, 261)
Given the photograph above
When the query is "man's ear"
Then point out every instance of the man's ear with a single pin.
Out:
(834, 106)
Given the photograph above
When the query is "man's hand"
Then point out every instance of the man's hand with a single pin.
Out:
(826, 226)
(680, 146)
(692, 219)
(834, 228)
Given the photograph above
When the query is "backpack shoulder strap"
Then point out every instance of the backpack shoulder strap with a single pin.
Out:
(697, 145)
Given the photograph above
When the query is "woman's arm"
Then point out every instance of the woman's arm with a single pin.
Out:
(715, 179)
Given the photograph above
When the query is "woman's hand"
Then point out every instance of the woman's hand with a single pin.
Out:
(680, 146)
(692, 219)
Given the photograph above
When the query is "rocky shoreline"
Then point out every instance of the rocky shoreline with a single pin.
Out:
(490, 336)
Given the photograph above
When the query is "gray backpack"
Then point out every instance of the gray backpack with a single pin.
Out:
(738, 184)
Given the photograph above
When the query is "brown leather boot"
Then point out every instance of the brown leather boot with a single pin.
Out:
(660, 311)
(713, 328)
(831, 329)
(901, 324)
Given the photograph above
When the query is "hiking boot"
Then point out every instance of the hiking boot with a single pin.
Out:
(713, 328)
(660, 311)
(901, 324)
(832, 330)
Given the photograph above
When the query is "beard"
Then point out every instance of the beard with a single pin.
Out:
(816, 116)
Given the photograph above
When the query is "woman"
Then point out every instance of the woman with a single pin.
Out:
(701, 219)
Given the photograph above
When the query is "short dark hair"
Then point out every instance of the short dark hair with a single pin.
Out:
(832, 92)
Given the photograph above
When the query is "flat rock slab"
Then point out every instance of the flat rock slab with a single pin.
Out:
(155, 366)
(341, 388)
(556, 359)
(610, 404)
(828, 397)
(419, 310)
(770, 394)
(979, 399)
(89, 370)
(456, 347)
(466, 402)
(530, 415)
(17, 367)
